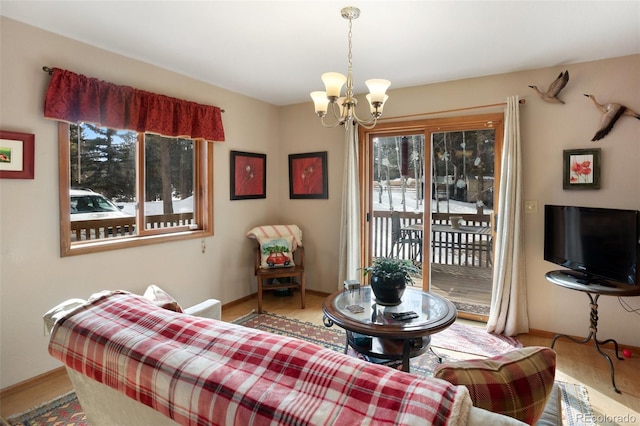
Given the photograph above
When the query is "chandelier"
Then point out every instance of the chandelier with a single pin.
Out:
(344, 108)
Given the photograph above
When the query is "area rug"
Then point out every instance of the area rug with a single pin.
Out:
(576, 410)
(63, 410)
(471, 308)
(458, 337)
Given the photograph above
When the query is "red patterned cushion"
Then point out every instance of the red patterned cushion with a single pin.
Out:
(516, 384)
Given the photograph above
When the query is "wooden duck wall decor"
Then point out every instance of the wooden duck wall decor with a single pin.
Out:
(551, 95)
(611, 112)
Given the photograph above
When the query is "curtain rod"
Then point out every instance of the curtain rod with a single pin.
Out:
(520, 101)
(49, 71)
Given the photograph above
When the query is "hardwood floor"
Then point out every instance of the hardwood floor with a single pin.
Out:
(575, 363)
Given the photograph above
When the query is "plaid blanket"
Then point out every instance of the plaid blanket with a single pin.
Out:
(205, 372)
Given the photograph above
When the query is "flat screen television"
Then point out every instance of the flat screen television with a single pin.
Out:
(599, 243)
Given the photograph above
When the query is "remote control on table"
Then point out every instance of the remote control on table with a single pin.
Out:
(404, 316)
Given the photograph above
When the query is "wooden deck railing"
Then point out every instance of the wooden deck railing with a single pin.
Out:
(447, 247)
(381, 237)
(83, 230)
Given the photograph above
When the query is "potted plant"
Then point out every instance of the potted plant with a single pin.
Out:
(389, 278)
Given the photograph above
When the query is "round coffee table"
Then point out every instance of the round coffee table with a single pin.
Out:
(372, 331)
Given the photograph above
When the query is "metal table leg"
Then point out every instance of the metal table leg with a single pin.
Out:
(593, 330)
(439, 356)
(406, 350)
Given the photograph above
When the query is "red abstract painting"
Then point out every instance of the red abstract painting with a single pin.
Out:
(248, 175)
(308, 175)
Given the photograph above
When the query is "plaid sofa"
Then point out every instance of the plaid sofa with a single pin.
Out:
(128, 358)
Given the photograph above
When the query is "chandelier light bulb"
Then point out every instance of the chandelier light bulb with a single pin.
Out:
(376, 110)
(320, 102)
(344, 108)
(377, 88)
(333, 82)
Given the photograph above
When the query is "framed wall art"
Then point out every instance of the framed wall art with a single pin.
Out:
(16, 155)
(308, 176)
(248, 175)
(581, 169)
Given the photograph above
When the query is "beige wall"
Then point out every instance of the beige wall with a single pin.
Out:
(546, 130)
(33, 277)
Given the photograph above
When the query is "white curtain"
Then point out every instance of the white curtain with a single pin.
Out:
(349, 257)
(508, 313)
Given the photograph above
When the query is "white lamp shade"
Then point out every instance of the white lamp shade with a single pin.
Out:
(320, 101)
(377, 88)
(333, 82)
(372, 109)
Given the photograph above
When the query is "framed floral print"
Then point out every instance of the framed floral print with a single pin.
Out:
(248, 175)
(308, 176)
(581, 169)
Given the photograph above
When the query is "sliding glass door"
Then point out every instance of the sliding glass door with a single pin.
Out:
(461, 217)
(431, 187)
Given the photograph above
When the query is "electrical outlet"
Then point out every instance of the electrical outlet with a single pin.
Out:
(531, 206)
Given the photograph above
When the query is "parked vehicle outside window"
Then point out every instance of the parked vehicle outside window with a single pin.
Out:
(89, 205)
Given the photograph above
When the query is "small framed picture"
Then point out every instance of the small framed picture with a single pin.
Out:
(581, 169)
(16, 155)
(248, 175)
(308, 176)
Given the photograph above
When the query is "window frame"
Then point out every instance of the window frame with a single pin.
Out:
(203, 202)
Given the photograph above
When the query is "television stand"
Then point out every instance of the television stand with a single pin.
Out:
(594, 289)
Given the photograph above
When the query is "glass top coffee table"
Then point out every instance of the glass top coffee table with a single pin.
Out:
(373, 330)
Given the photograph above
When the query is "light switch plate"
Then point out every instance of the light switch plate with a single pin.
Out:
(531, 206)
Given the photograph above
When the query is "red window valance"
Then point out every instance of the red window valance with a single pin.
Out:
(77, 98)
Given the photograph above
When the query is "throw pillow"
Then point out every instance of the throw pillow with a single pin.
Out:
(161, 298)
(516, 384)
(276, 252)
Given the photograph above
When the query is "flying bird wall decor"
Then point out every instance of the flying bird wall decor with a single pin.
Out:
(611, 112)
(551, 95)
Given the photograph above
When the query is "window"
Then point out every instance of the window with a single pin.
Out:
(121, 188)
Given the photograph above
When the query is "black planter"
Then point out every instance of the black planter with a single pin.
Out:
(388, 292)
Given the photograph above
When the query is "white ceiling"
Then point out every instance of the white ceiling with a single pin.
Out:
(276, 50)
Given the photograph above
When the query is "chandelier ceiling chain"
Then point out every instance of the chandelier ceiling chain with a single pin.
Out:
(344, 108)
(350, 55)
